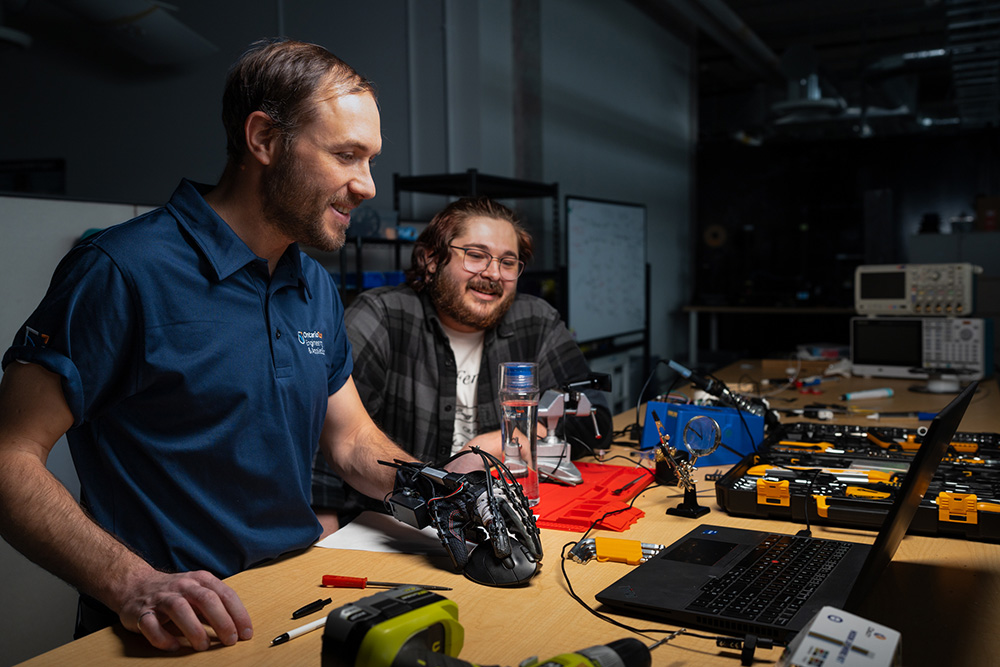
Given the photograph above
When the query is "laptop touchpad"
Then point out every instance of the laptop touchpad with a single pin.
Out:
(700, 552)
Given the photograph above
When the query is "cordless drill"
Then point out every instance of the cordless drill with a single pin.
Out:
(409, 626)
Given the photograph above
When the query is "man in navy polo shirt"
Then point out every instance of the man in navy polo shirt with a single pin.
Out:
(194, 357)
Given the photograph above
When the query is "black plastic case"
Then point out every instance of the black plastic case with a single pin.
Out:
(847, 476)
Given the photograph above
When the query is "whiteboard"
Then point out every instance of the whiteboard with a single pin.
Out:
(606, 258)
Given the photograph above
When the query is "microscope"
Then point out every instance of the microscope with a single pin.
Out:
(554, 461)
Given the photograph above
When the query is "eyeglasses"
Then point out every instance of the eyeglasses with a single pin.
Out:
(477, 261)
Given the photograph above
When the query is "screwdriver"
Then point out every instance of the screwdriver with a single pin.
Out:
(337, 581)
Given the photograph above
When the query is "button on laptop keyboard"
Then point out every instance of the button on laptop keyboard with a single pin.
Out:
(773, 581)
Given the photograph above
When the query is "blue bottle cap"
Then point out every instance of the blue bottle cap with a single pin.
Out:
(519, 376)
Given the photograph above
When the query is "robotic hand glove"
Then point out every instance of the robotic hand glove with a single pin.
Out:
(490, 513)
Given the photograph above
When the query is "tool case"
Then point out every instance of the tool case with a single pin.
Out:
(847, 476)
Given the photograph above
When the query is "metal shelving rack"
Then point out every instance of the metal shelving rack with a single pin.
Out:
(474, 184)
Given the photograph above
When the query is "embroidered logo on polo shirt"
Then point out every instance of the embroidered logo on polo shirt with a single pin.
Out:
(313, 340)
(33, 338)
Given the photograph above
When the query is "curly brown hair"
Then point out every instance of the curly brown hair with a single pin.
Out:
(433, 246)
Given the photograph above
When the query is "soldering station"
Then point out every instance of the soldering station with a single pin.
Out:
(771, 468)
(741, 591)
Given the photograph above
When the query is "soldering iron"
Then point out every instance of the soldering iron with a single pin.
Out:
(726, 397)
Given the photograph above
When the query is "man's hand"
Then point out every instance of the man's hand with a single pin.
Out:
(43, 521)
(491, 443)
(488, 442)
(163, 607)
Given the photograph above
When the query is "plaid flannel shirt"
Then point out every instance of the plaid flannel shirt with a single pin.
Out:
(406, 375)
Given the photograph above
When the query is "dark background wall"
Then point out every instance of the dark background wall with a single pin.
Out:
(591, 94)
(787, 223)
(127, 129)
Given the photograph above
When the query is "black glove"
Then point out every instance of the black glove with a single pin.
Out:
(471, 508)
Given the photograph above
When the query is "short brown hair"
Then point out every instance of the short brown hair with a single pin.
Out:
(433, 246)
(280, 78)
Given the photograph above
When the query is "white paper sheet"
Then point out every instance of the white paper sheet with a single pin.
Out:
(372, 531)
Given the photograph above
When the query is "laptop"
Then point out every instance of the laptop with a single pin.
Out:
(741, 581)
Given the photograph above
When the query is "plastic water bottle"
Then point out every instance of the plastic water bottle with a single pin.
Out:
(518, 419)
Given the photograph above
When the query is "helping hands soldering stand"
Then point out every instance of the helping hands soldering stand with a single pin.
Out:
(554, 454)
(684, 469)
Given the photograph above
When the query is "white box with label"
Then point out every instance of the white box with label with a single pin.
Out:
(836, 638)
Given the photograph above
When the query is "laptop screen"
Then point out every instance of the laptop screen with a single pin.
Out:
(911, 491)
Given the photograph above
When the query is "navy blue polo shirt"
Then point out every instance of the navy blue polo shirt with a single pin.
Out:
(198, 384)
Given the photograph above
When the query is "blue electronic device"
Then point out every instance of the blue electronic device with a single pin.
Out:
(675, 416)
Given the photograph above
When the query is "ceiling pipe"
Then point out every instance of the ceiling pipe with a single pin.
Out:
(9, 34)
(725, 28)
(144, 28)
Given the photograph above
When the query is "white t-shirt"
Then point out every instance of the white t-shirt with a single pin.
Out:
(468, 351)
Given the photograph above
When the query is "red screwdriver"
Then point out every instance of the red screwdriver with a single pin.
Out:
(336, 581)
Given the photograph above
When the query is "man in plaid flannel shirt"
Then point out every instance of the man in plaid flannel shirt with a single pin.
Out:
(426, 352)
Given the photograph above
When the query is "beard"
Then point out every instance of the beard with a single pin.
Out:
(296, 206)
(448, 296)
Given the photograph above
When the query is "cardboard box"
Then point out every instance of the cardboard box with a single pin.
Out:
(835, 638)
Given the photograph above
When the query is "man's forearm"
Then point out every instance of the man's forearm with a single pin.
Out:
(44, 522)
(359, 465)
(47, 525)
(353, 445)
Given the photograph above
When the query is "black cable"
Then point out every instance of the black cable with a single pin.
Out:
(562, 561)
(743, 421)
(620, 456)
(753, 444)
(746, 427)
(562, 454)
(734, 451)
(642, 392)
(572, 593)
(807, 531)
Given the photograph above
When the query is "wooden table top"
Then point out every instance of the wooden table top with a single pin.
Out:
(943, 594)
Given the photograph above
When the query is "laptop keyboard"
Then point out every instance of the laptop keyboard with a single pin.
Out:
(773, 581)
